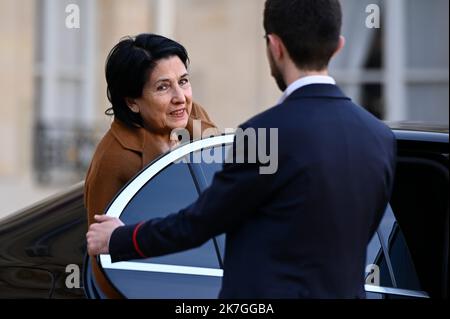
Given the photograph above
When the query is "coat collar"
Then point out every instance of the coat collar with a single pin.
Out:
(140, 140)
(317, 91)
(129, 138)
(136, 139)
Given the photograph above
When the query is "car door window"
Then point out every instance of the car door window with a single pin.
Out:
(403, 267)
(377, 272)
(205, 163)
(164, 187)
(388, 255)
(210, 160)
(166, 193)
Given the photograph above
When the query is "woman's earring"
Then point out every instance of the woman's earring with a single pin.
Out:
(135, 109)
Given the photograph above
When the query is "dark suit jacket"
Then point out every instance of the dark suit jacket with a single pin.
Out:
(303, 231)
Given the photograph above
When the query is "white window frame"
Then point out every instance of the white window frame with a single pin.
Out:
(51, 68)
(395, 76)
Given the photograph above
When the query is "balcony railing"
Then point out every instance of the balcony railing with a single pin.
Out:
(62, 152)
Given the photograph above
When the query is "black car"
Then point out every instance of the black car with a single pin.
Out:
(43, 248)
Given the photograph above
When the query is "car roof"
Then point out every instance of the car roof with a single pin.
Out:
(418, 126)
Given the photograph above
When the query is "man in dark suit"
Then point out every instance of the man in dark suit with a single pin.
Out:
(301, 232)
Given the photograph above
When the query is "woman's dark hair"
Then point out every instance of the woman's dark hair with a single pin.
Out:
(309, 29)
(128, 67)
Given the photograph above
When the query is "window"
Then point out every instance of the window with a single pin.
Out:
(65, 86)
(398, 71)
(420, 203)
(206, 163)
(388, 250)
(165, 187)
(168, 192)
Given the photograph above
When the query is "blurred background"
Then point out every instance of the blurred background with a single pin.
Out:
(53, 89)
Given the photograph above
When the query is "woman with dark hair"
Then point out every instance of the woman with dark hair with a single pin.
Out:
(150, 93)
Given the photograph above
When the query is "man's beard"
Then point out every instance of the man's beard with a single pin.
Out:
(276, 73)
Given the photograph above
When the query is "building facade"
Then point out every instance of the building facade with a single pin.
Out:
(54, 92)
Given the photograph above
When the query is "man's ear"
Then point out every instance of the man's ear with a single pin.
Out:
(340, 45)
(276, 46)
(132, 104)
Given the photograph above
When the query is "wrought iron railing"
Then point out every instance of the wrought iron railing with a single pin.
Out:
(62, 151)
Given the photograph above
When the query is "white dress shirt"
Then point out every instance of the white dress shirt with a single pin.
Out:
(311, 79)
